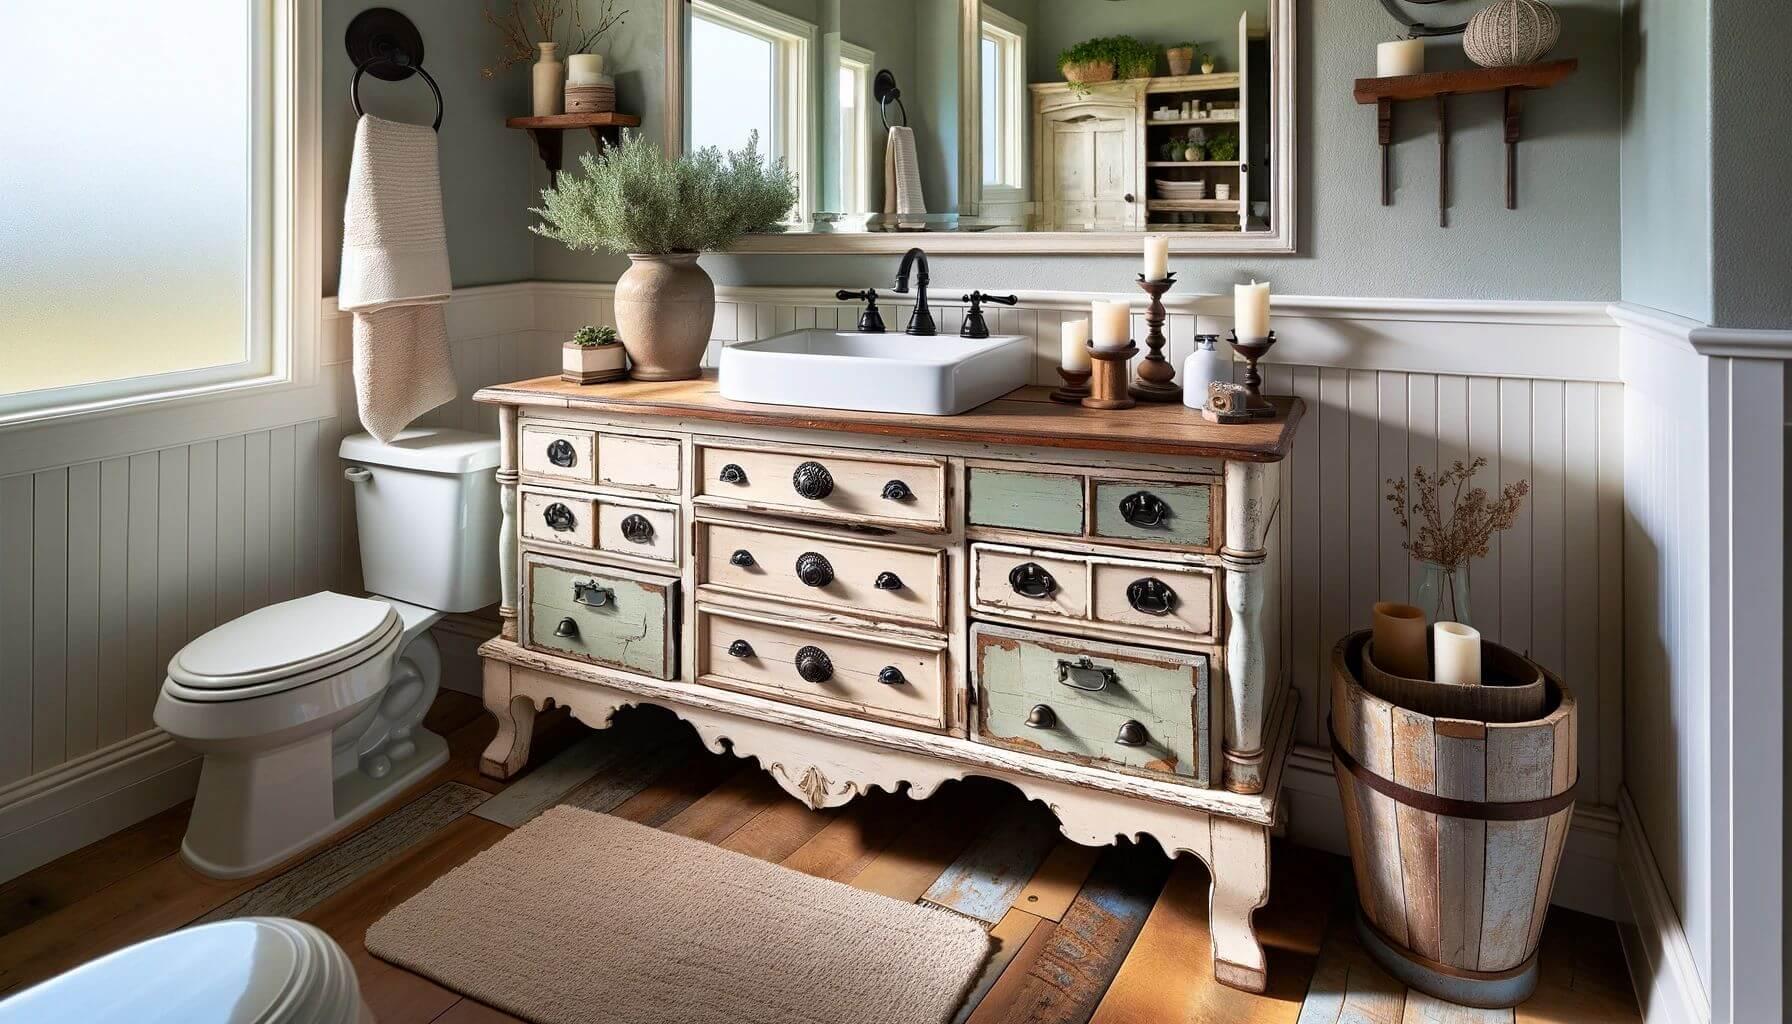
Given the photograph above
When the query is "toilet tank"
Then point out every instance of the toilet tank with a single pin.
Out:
(426, 508)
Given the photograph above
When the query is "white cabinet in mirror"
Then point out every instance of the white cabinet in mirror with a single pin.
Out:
(1020, 126)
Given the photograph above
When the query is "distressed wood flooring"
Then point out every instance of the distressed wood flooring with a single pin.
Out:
(1110, 936)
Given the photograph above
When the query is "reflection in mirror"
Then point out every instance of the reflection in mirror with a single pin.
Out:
(1075, 116)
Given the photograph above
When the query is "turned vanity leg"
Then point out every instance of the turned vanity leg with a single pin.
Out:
(1251, 495)
(508, 751)
(1240, 864)
(507, 478)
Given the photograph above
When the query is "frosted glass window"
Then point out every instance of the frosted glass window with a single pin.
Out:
(130, 195)
(732, 74)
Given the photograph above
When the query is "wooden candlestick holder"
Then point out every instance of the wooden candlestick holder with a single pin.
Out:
(1107, 384)
(1254, 349)
(1075, 389)
(1156, 374)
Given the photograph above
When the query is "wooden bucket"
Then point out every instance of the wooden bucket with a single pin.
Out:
(1456, 830)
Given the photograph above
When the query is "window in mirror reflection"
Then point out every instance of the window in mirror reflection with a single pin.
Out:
(1004, 103)
(855, 103)
(749, 72)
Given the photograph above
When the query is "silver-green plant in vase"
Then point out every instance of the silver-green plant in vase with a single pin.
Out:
(662, 212)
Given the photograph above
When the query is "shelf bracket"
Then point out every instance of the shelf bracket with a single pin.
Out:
(1384, 134)
(1443, 160)
(551, 144)
(1514, 115)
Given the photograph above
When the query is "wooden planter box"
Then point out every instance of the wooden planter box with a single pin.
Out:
(1456, 830)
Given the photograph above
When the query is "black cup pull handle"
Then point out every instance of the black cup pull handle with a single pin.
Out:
(896, 490)
(1144, 510)
(887, 581)
(1041, 717)
(1029, 579)
(733, 474)
(1132, 734)
(567, 629)
(740, 649)
(741, 559)
(890, 675)
(1150, 596)
(636, 529)
(560, 453)
(558, 517)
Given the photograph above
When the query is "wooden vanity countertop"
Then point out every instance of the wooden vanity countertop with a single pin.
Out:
(1024, 416)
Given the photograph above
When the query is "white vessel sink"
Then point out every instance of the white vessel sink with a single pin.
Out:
(938, 376)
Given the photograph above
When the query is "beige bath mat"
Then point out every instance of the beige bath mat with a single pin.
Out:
(580, 917)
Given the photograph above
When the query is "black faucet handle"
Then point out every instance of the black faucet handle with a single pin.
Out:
(976, 298)
(975, 326)
(871, 321)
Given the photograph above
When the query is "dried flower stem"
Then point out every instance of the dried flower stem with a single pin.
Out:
(608, 17)
(1472, 522)
(516, 42)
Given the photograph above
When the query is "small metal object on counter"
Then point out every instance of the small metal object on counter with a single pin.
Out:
(1156, 374)
(974, 324)
(1226, 403)
(870, 320)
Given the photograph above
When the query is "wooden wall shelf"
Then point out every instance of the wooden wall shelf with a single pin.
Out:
(1439, 86)
(550, 142)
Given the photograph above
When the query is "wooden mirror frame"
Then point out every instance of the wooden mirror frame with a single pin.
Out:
(1283, 191)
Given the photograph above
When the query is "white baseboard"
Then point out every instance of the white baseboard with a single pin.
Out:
(1662, 967)
(1585, 882)
(64, 809)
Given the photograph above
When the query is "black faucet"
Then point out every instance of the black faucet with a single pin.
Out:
(921, 322)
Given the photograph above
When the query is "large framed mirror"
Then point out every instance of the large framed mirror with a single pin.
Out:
(1017, 126)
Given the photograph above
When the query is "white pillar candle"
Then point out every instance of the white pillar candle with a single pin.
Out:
(1112, 323)
(1456, 653)
(1250, 310)
(585, 69)
(1073, 352)
(1157, 257)
(1400, 57)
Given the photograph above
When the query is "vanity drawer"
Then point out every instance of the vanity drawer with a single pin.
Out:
(1155, 513)
(641, 463)
(1150, 598)
(1034, 502)
(558, 453)
(903, 682)
(863, 578)
(629, 529)
(608, 617)
(827, 484)
(1131, 708)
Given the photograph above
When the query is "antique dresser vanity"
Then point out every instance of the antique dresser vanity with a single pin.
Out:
(1083, 604)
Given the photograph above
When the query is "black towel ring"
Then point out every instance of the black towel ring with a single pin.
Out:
(1418, 29)
(884, 90)
(384, 42)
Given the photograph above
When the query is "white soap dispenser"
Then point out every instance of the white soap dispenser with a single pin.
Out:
(1204, 365)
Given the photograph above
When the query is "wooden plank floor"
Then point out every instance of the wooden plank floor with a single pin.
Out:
(1111, 936)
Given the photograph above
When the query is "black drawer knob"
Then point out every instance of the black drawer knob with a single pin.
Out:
(558, 517)
(1151, 596)
(567, 628)
(890, 675)
(887, 581)
(813, 481)
(1029, 579)
(813, 664)
(1042, 717)
(896, 490)
(733, 474)
(742, 558)
(1132, 734)
(814, 569)
(637, 530)
(740, 649)
(1144, 510)
(561, 454)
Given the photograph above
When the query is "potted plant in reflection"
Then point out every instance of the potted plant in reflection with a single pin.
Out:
(663, 212)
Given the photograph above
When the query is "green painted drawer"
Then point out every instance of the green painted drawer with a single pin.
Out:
(1155, 513)
(610, 617)
(1036, 502)
(1164, 698)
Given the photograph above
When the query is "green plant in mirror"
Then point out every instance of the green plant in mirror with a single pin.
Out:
(635, 199)
(1223, 146)
(1130, 57)
(591, 337)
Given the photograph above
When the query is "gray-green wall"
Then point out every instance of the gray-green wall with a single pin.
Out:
(1751, 135)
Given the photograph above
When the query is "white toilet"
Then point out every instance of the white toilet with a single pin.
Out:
(309, 711)
(253, 970)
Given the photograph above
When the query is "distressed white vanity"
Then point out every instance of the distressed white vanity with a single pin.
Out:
(1078, 602)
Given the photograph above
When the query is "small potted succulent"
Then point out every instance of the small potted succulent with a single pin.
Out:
(593, 356)
(1194, 151)
(1207, 63)
(1181, 58)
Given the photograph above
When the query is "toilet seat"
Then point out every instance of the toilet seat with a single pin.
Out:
(283, 646)
(253, 970)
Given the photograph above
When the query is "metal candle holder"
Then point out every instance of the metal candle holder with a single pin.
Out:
(1156, 374)
(1254, 349)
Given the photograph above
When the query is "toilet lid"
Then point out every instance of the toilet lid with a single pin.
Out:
(246, 971)
(283, 640)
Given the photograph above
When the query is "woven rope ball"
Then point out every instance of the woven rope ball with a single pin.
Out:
(1511, 32)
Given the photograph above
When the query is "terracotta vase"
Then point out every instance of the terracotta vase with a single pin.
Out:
(665, 306)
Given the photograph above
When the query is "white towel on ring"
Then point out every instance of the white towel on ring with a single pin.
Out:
(902, 177)
(395, 275)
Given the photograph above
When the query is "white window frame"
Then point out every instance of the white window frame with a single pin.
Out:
(793, 91)
(1010, 37)
(285, 270)
(862, 63)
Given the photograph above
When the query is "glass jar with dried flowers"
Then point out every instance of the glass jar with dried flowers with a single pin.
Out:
(1443, 547)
